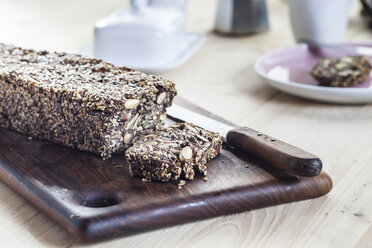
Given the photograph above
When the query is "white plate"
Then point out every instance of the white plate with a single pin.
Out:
(289, 69)
(194, 42)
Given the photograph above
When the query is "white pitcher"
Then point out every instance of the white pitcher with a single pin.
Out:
(151, 31)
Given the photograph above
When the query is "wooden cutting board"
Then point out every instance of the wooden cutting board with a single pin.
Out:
(96, 199)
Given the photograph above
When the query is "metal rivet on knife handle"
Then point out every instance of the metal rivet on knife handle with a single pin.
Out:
(288, 158)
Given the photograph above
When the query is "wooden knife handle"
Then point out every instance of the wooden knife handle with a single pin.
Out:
(286, 157)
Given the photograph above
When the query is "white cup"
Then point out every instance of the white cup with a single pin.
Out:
(319, 21)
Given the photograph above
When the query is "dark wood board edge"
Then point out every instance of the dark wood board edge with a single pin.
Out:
(230, 201)
(39, 200)
(227, 202)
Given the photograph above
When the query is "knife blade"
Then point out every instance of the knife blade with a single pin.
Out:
(286, 157)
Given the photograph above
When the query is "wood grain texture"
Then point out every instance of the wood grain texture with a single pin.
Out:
(96, 199)
(284, 156)
(221, 79)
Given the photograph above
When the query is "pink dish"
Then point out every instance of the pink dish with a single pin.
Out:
(289, 70)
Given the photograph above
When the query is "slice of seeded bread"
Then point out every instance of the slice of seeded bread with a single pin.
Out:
(178, 151)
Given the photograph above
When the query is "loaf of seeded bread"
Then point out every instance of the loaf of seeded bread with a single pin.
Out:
(178, 151)
(79, 102)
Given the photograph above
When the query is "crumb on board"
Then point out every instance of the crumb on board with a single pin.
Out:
(181, 183)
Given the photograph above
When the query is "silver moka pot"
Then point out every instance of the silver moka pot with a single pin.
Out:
(241, 16)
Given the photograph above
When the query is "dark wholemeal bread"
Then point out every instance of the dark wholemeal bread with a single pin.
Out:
(79, 102)
(341, 72)
(172, 153)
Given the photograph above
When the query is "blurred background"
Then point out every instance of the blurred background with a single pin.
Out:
(67, 25)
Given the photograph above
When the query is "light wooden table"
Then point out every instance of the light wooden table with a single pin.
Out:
(220, 78)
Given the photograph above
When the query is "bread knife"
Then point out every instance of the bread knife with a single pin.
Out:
(286, 157)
